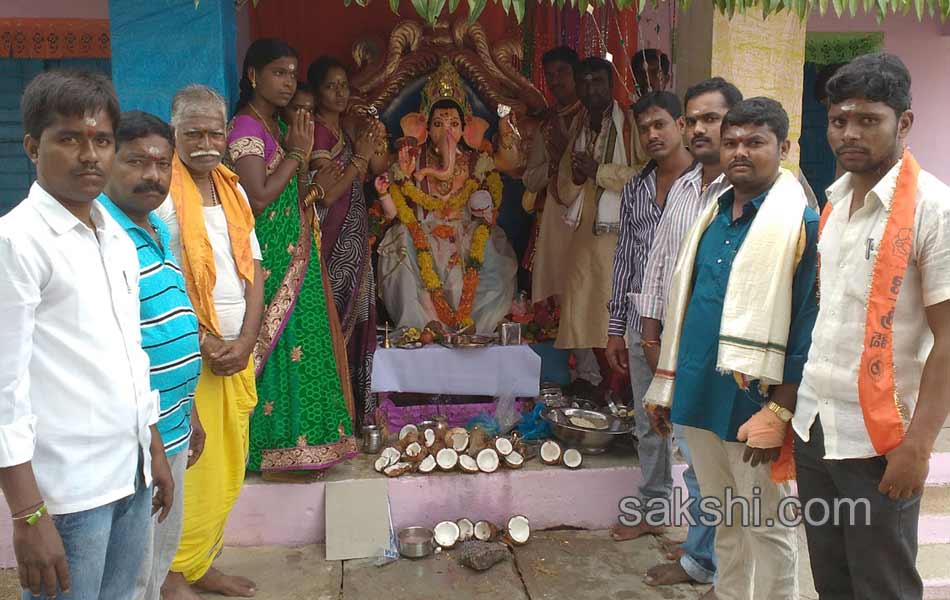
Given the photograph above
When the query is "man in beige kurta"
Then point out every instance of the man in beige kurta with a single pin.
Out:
(602, 157)
(552, 237)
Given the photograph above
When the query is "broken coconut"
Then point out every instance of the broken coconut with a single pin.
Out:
(484, 531)
(572, 458)
(487, 460)
(514, 460)
(408, 430)
(393, 455)
(381, 463)
(466, 529)
(428, 436)
(415, 452)
(503, 446)
(446, 534)
(477, 440)
(467, 463)
(447, 459)
(519, 530)
(400, 468)
(457, 439)
(550, 452)
(428, 464)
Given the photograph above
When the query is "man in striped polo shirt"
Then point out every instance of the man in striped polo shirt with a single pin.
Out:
(139, 184)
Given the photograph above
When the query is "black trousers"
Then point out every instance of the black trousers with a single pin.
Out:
(865, 552)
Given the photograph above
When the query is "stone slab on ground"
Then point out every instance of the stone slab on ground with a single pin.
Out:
(584, 565)
(283, 573)
(434, 578)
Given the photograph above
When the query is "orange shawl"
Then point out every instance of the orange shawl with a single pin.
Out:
(197, 257)
(877, 391)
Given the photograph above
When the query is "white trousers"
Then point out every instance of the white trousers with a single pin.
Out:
(755, 561)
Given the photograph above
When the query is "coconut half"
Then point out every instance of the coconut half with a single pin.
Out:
(572, 458)
(487, 460)
(392, 455)
(514, 460)
(408, 430)
(400, 468)
(415, 452)
(550, 452)
(457, 439)
(519, 529)
(446, 534)
(447, 459)
(467, 463)
(484, 531)
(466, 529)
(428, 436)
(504, 446)
(381, 463)
(428, 464)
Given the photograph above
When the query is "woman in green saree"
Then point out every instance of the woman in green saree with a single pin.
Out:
(304, 417)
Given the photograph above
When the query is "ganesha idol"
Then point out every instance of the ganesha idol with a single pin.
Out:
(444, 258)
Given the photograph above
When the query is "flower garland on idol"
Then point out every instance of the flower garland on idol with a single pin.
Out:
(462, 316)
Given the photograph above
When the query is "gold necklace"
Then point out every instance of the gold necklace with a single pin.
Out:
(263, 122)
(334, 129)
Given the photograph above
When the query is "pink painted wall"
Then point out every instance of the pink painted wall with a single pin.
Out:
(55, 9)
(923, 46)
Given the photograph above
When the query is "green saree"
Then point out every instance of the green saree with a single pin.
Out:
(303, 420)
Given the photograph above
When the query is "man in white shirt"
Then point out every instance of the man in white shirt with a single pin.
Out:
(876, 388)
(212, 235)
(79, 448)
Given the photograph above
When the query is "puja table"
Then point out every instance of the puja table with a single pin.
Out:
(494, 371)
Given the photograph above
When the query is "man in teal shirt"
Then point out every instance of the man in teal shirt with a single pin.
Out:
(755, 559)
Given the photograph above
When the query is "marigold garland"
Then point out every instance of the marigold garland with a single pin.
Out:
(430, 278)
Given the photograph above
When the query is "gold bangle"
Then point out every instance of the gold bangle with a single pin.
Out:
(649, 343)
(316, 193)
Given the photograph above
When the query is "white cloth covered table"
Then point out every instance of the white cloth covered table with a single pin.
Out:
(493, 371)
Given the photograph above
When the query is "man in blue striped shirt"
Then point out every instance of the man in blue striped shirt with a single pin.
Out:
(670, 174)
(139, 184)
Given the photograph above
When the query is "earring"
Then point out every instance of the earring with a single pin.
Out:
(253, 84)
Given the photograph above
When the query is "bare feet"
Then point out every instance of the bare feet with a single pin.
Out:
(671, 549)
(622, 533)
(709, 595)
(667, 574)
(226, 585)
(177, 588)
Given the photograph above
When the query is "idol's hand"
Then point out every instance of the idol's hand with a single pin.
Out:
(660, 419)
(381, 183)
(407, 160)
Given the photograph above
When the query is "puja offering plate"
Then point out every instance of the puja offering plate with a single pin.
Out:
(467, 341)
(409, 345)
(589, 431)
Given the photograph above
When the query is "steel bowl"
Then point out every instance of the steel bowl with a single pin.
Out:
(415, 542)
(588, 441)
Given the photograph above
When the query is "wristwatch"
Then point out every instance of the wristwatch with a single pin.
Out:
(782, 412)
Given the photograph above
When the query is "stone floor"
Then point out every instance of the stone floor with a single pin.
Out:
(554, 565)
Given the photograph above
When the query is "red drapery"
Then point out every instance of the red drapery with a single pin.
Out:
(55, 38)
(332, 28)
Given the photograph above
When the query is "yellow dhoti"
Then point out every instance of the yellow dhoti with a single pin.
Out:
(212, 485)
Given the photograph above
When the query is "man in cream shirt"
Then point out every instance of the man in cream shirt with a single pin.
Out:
(875, 389)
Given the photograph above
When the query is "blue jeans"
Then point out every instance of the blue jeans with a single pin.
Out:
(699, 560)
(105, 547)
